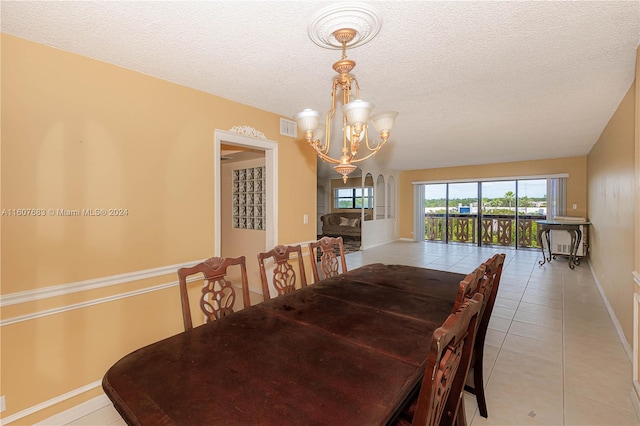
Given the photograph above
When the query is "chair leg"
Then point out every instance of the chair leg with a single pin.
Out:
(478, 384)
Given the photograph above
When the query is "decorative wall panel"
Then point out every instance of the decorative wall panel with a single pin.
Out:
(249, 198)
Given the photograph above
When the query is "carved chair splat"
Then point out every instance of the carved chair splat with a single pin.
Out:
(329, 263)
(218, 294)
(284, 276)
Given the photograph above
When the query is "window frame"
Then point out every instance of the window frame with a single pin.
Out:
(365, 199)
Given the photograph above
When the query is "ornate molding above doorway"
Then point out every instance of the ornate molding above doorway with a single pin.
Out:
(248, 131)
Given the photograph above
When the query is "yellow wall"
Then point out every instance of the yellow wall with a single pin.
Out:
(611, 170)
(78, 134)
(576, 167)
(636, 337)
(637, 162)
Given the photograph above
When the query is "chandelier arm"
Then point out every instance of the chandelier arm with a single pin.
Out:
(320, 147)
(356, 144)
(346, 98)
(326, 158)
(327, 133)
(366, 156)
(378, 145)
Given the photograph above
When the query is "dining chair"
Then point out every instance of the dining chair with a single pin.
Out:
(328, 259)
(218, 293)
(489, 289)
(468, 286)
(284, 276)
(440, 399)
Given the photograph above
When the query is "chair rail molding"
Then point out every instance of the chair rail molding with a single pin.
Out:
(92, 302)
(91, 284)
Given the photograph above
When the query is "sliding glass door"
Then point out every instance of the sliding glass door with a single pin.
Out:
(498, 212)
(532, 206)
(435, 212)
(462, 220)
(487, 213)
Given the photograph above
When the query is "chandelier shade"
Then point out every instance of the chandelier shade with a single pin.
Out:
(384, 121)
(356, 113)
(307, 120)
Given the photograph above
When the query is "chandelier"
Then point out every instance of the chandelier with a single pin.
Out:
(341, 27)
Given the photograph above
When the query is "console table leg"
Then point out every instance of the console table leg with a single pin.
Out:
(576, 236)
(543, 238)
(573, 249)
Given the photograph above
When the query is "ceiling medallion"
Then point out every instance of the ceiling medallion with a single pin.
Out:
(360, 17)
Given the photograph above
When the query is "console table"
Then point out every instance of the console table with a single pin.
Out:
(570, 226)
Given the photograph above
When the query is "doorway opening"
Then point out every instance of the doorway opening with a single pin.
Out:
(269, 216)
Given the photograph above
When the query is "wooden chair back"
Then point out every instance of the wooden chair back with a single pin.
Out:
(218, 294)
(489, 289)
(284, 278)
(329, 263)
(440, 400)
(469, 286)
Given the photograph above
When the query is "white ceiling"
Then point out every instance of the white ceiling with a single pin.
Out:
(474, 82)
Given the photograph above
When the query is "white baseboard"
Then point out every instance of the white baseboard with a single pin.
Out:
(612, 314)
(378, 244)
(53, 401)
(77, 412)
(635, 391)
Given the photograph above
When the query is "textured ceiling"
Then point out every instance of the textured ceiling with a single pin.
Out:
(474, 82)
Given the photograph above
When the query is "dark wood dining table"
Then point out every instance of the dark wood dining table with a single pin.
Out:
(345, 350)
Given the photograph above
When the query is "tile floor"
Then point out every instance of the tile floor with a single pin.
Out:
(552, 354)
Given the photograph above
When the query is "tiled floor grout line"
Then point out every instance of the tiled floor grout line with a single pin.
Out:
(506, 333)
(531, 309)
(564, 284)
(513, 318)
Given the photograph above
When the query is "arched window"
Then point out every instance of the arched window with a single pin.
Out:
(391, 197)
(379, 197)
(368, 183)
